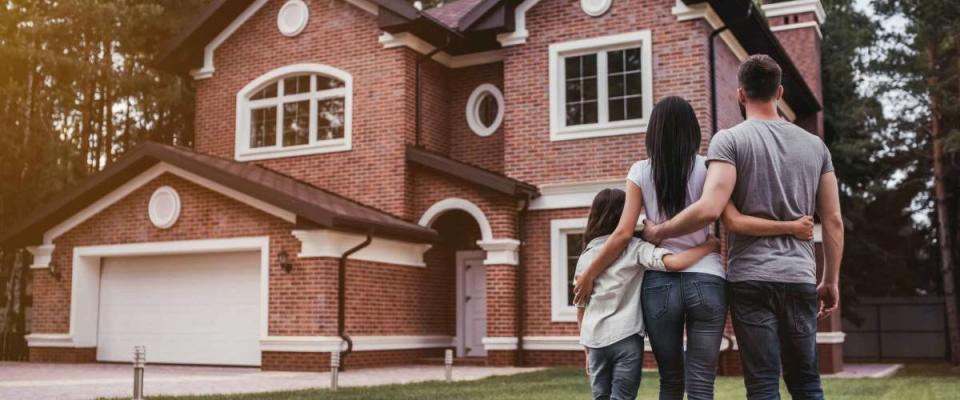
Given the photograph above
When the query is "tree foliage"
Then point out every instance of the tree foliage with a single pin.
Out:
(77, 89)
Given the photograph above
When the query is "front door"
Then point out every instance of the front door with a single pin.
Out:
(471, 304)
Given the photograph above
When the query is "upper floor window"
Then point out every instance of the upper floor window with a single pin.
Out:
(294, 110)
(600, 86)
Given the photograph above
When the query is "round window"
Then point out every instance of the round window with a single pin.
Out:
(595, 8)
(485, 110)
(164, 207)
(293, 18)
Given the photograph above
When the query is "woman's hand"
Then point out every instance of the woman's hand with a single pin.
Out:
(582, 289)
(803, 228)
(715, 242)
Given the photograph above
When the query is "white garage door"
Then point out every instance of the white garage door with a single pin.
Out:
(189, 309)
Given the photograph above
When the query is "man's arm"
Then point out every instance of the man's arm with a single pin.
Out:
(741, 224)
(828, 207)
(721, 178)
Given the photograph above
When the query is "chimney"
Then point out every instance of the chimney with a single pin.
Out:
(796, 23)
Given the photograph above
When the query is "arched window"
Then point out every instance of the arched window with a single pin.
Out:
(294, 110)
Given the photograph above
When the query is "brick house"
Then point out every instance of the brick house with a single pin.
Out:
(388, 182)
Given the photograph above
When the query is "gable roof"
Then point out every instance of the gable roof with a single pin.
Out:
(450, 14)
(471, 173)
(313, 207)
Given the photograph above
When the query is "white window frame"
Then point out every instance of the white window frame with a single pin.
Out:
(473, 109)
(243, 151)
(599, 45)
(559, 229)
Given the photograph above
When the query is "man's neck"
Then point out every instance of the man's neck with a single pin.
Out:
(762, 111)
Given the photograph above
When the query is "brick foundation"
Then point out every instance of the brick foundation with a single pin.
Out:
(320, 362)
(501, 358)
(68, 355)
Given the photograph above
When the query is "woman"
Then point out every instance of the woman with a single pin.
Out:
(662, 186)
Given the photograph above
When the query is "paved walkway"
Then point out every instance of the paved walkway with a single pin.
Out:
(29, 381)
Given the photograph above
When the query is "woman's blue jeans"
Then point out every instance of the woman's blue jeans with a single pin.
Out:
(672, 300)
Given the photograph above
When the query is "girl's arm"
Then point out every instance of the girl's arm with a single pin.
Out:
(685, 259)
(614, 245)
(741, 224)
(586, 351)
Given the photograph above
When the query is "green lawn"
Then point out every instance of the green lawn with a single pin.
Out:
(560, 384)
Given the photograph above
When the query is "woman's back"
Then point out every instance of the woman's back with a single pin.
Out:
(641, 175)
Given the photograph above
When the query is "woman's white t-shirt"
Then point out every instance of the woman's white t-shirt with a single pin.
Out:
(642, 176)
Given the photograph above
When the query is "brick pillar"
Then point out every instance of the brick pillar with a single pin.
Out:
(501, 315)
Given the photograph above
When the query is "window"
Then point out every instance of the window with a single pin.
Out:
(566, 236)
(600, 86)
(294, 110)
(485, 109)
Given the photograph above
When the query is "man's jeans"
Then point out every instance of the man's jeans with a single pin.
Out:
(672, 300)
(615, 370)
(776, 326)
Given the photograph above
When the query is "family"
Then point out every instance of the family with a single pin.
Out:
(764, 179)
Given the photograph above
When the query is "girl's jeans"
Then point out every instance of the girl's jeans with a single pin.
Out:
(615, 369)
(672, 300)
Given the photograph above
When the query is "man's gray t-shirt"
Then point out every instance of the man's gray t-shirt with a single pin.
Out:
(778, 173)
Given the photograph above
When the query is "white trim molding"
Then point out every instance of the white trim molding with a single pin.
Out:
(560, 311)
(782, 8)
(206, 71)
(242, 149)
(407, 39)
(303, 344)
(50, 340)
(328, 243)
(85, 285)
(595, 8)
(455, 203)
(139, 181)
(559, 130)
(799, 25)
(500, 251)
(499, 343)
(555, 196)
(520, 33)
(327, 344)
(154, 207)
(42, 255)
(473, 109)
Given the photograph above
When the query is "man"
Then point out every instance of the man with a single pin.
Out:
(776, 170)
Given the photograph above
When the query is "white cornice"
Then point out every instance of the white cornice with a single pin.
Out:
(406, 39)
(327, 344)
(500, 251)
(571, 195)
(795, 7)
(499, 343)
(799, 25)
(328, 243)
(50, 340)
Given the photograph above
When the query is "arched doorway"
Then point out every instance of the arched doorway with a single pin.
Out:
(461, 226)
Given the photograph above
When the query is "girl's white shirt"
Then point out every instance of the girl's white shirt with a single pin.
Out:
(642, 175)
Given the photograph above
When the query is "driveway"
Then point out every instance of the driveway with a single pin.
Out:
(34, 381)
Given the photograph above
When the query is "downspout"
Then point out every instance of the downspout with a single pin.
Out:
(342, 295)
(713, 78)
(417, 101)
(521, 218)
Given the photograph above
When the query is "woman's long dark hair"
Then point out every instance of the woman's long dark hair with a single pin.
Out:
(673, 137)
(604, 214)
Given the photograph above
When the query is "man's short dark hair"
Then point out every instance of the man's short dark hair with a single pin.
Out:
(759, 77)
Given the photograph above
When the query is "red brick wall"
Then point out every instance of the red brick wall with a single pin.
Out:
(63, 355)
(400, 300)
(319, 362)
(204, 215)
(679, 68)
(537, 278)
(728, 107)
(804, 48)
(465, 145)
(383, 115)
(429, 187)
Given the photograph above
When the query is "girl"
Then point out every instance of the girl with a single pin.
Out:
(694, 300)
(612, 322)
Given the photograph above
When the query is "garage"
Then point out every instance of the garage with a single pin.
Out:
(186, 309)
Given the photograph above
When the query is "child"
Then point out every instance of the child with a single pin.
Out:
(611, 323)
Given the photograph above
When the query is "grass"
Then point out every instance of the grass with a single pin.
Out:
(936, 382)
